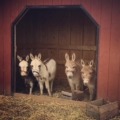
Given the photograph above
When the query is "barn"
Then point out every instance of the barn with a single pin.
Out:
(90, 28)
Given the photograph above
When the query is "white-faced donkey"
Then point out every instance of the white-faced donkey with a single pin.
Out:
(44, 72)
(88, 75)
(72, 71)
(26, 73)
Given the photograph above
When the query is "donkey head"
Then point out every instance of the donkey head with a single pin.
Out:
(70, 66)
(23, 64)
(35, 64)
(87, 72)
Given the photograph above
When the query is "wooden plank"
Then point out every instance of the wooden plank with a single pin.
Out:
(89, 32)
(1, 49)
(64, 27)
(76, 26)
(52, 26)
(47, 99)
(74, 47)
(87, 5)
(61, 54)
(88, 55)
(76, 2)
(7, 44)
(77, 52)
(61, 71)
(96, 10)
(39, 2)
(29, 26)
(14, 14)
(21, 33)
(21, 5)
(35, 27)
(47, 2)
(14, 9)
(114, 64)
(53, 53)
(57, 2)
(31, 2)
(42, 27)
(66, 2)
(104, 47)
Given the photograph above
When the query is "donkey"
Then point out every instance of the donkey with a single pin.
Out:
(72, 71)
(26, 73)
(44, 72)
(88, 76)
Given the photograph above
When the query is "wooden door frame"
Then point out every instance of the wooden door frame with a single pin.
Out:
(13, 36)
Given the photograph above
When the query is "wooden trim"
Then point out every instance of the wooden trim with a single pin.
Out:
(36, 46)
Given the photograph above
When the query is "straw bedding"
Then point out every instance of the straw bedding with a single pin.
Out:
(23, 108)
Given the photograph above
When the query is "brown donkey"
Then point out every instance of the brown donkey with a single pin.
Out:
(88, 75)
(72, 71)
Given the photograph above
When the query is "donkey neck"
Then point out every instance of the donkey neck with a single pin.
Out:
(77, 70)
(43, 70)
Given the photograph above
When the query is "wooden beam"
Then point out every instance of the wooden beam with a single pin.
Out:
(73, 47)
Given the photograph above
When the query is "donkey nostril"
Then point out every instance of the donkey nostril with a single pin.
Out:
(69, 77)
(85, 84)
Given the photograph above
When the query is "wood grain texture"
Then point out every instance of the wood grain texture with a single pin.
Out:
(1, 49)
(114, 62)
(7, 44)
(47, 2)
(31, 2)
(104, 49)
(57, 2)
(96, 10)
(66, 2)
(39, 2)
(105, 12)
(75, 2)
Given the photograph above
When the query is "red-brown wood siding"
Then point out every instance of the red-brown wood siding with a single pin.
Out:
(114, 58)
(106, 14)
(104, 47)
(7, 46)
(1, 49)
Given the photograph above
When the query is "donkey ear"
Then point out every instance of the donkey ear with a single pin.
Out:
(39, 56)
(27, 58)
(73, 57)
(31, 56)
(19, 58)
(66, 57)
(82, 62)
(91, 63)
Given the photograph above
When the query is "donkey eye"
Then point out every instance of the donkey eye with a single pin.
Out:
(39, 66)
(31, 66)
(73, 67)
(66, 67)
(90, 73)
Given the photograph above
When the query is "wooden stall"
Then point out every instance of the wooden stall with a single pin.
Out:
(54, 31)
(62, 35)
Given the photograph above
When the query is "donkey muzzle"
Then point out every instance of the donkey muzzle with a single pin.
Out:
(23, 73)
(35, 73)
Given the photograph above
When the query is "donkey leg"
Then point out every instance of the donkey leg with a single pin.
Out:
(41, 87)
(31, 88)
(47, 85)
(91, 91)
(77, 86)
(71, 85)
(51, 86)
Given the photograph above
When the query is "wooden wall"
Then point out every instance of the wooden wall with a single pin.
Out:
(54, 32)
(105, 12)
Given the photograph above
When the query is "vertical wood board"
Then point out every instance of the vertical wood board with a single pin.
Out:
(114, 64)
(104, 47)
(1, 49)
